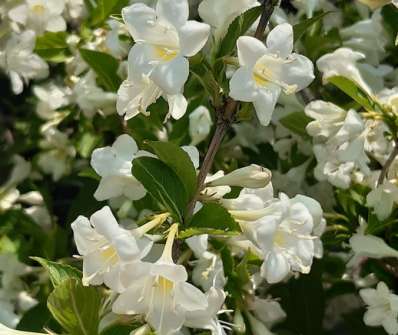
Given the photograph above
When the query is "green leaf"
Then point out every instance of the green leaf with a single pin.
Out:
(75, 307)
(299, 29)
(162, 184)
(52, 46)
(105, 66)
(296, 122)
(237, 28)
(390, 16)
(58, 272)
(209, 231)
(350, 88)
(179, 161)
(87, 143)
(106, 8)
(214, 216)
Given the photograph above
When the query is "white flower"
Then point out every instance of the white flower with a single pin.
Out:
(208, 269)
(339, 147)
(51, 97)
(114, 165)
(75, 9)
(283, 231)
(215, 192)
(106, 247)
(162, 294)
(252, 176)
(309, 6)
(57, 155)
(40, 15)
(220, 14)
(377, 144)
(164, 37)
(200, 123)
(117, 48)
(257, 327)
(382, 308)
(343, 62)
(374, 4)
(19, 61)
(369, 246)
(367, 36)
(207, 318)
(91, 98)
(139, 91)
(8, 331)
(382, 199)
(268, 70)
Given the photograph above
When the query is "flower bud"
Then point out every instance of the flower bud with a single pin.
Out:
(252, 176)
(199, 124)
(144, 330)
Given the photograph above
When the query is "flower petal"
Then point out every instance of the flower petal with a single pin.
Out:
(275, 268)
(171, 76)
(105, 223)
(242, 86)
(265, 103)
(177, 105)
(193, 36)
(280, 40)
(250, 49)
(175, 12)
(125, 147)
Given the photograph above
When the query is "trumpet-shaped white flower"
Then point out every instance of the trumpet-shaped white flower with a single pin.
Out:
(56, 158)
(268, 311)
(252, 176)
(106, 247)
(114, 165)
(139, 91)
(374, 4)
(91, 98)
(220, 14)
(20, 63)
(339, 138)
(40, 15)
(367, 36)
(162, 294)
(267, 70)
(282, 231)
(207, 318)
(200, 123)
(382, 308)
(344, 62)
(208, 269)
(164, 37)
(51, 97)
(382, 199)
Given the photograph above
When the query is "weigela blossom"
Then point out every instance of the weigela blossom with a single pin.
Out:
(51, 97)
(267, 70)
(382, 308)
(339, 138)
(162, 294)
(114, 165)
(56, 158)
(92, 99)
(164, 37)
(19, 62)
(106, 247)
(382, 199)
(200, 123)
(40, 15)
(208, 268)
(268, 311)
(220, 14)
(282, 230)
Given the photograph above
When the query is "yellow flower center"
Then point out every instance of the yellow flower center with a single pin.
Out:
(279, 238)
(165, 285)
(261, 74)
(165, 54)
(38, 9)
(109, 254)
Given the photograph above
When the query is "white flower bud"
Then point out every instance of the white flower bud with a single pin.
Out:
(252, 176)
(199, 124)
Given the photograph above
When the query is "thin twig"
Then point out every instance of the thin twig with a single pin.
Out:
(387, 165)
(225, 116)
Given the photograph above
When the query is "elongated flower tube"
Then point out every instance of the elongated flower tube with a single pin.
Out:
(162, 294)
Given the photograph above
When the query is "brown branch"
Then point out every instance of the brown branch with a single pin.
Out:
(388, 164)
(225, 116)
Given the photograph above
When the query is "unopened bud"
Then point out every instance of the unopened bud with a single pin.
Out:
(252, 176)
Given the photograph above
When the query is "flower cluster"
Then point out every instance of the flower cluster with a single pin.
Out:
(198, 166)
